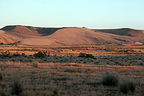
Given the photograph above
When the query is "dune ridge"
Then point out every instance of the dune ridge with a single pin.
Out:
(29, 35)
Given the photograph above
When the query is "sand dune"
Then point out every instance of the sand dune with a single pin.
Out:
(124, 32)
(29, 35)
(7, 38)
(29, 30)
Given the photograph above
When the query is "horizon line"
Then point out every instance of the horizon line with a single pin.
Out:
(70, 27)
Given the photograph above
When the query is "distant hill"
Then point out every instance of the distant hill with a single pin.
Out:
(29, 35)
(124, 32)
(29, 30)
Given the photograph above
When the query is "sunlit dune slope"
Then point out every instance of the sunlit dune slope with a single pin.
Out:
(29, 35)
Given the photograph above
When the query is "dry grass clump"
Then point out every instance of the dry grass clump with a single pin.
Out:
(110, 80)
(35, 64)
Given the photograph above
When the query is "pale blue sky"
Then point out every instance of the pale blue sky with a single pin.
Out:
(73, 13)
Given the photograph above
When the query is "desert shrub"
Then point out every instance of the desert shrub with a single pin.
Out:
(86, 55)
(3, 94)
(132, 86)
(16, 54)
(40, 54)
(110, 80)
(16, 88)
(5, 54)
(55, 92)
(127, 86)
(82, 55)
(1, 77)
(23, 54)
(89, 56)
(1, 43)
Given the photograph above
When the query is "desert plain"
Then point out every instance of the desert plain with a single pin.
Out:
(71, 62)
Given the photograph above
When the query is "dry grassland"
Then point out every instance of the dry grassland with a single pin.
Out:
(64, 73)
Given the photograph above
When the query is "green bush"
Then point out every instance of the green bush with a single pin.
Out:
(127, 86)
(110, 80)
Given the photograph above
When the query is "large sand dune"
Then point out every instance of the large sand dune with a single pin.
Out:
(29, 35)
(124, 32)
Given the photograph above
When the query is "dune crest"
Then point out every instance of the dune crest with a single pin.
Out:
(29, 35)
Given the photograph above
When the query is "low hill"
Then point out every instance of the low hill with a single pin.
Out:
(29, 35)
(124, 32)
(29, 30)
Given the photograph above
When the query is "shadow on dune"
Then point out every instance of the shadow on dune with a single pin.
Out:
(123, 32)
(47, 31)
(30, 29)
(8, 28)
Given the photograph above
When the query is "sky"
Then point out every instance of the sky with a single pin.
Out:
(98, 14)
